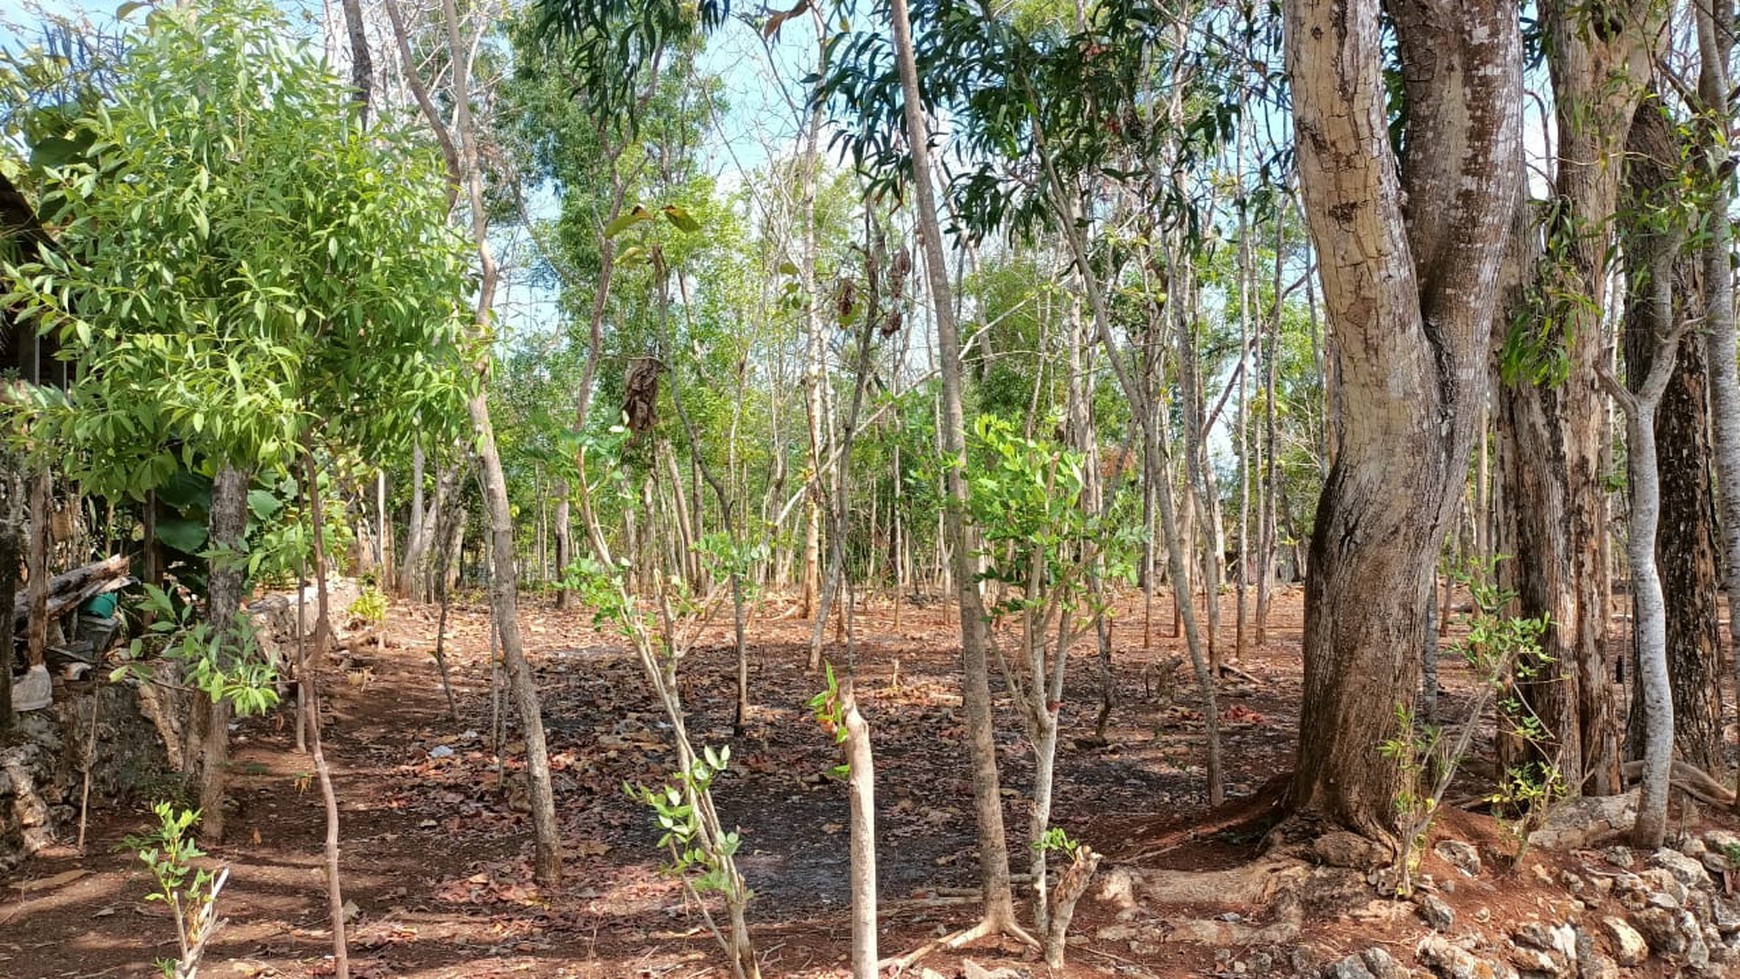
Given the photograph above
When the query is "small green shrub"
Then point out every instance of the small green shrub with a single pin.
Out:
(190, 892)
(370, 606)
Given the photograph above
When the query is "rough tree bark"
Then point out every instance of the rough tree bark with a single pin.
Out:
(1409, 256)
(36, 560)
(228, 523)
(12, 482)
(362, 67)
(1685, 537)
(1715, 45)
(1551, 435)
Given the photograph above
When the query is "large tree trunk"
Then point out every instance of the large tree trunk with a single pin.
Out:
(1552, 434)
(1715, 44)
(1686, 555)
(1409, 264)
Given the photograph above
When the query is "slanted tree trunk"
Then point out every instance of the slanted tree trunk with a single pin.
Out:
(310, 689)
(1409, 262)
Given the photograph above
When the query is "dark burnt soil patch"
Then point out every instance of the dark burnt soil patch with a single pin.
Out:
(437, 840)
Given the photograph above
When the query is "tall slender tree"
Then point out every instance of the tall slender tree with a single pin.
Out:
(504, 571)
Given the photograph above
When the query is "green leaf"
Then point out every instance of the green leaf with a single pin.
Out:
(625, 221)
(182, 534)
(682, 219)
(263, 505)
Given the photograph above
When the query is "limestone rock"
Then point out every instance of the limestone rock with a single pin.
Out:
(1383, 965)
(1662, 899)
(1586, 821)
(1722, 841)
(1439, 915)
(1659, 880)
(1454, 962)
(1462, 856)
(1533, 934)
(1597, 965)
(1629, 947)
(1687, 870)
(1619, 856)
(1660, 928)
(1549, 950)
(1674, 934)
(1725, 914)
(1349, 967)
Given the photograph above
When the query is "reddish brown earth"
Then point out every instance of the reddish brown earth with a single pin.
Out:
(436, 850)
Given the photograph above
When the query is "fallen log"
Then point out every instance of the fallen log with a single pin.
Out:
(69, 590)
(1691, 780)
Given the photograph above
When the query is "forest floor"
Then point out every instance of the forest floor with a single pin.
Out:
(437, 844)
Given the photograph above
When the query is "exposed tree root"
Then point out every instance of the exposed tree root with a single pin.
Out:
(986, 928)
(1251, 885)
(1691, 780)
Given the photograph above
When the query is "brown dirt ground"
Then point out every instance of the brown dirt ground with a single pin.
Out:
(436, 851)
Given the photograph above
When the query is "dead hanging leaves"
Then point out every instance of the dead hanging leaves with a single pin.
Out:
(898, 271)
(640, 395)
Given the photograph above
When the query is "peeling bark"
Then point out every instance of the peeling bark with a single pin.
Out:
(1409, 257)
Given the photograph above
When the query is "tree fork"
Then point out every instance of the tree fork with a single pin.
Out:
(1408, 291)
